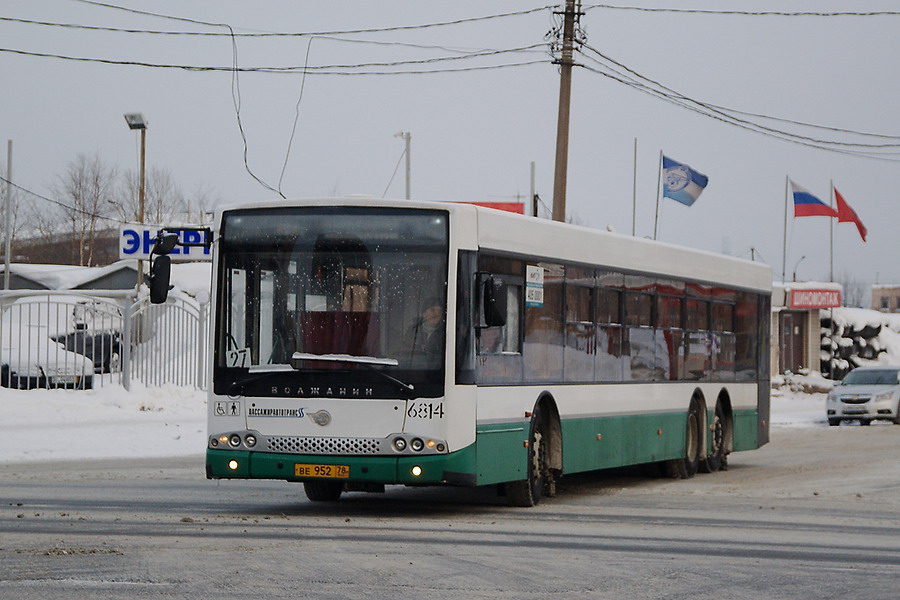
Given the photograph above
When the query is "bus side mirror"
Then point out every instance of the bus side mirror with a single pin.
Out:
(165, 242)
(160, 271)
(493, 295)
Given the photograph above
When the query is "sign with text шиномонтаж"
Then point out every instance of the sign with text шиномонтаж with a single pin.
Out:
(136, 241)
(815, 299)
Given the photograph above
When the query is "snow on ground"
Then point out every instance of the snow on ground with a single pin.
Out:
(110, 422)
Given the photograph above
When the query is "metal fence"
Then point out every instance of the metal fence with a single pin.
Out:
(83, 340)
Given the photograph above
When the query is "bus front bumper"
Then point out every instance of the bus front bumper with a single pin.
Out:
(455, 468)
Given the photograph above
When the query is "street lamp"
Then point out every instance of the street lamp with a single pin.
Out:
(797, 265)
(137, 121)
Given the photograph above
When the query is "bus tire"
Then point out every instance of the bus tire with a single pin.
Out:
(686, 467)
(528, 492)
(716, 458)
(323, 491)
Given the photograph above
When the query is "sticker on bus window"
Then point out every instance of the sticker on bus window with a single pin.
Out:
(238, 358)
(534, 285)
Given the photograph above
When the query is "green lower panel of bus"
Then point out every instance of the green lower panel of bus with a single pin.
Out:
(607, 442)
(455, 468)
(499, 454)
(746, 430)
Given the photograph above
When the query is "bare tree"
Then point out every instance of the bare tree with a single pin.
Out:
(199, 204)
(854, 289)
(162, 197)
(88, 187)
(14, 203)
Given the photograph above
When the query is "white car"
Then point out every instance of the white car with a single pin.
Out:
(866, 394)
(29, 358)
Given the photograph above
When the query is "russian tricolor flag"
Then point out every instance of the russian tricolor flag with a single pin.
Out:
(807, 205)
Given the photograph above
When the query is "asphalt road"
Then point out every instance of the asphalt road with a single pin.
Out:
(815, 514)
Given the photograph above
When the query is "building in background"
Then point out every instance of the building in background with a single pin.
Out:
(796, 323)
(886, 297)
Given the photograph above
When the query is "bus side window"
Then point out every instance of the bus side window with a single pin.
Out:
(504, 339)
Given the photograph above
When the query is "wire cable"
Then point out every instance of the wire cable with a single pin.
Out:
(271, 70)
(746, 13)
(61, 204)
(674, 97)
(394, 174)
(332, 37)
(287, 34)
(676, 101)
(287, 153)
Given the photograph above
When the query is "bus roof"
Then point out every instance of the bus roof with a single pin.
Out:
(487, 228)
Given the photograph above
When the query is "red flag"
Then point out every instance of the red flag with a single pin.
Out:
(848, 215)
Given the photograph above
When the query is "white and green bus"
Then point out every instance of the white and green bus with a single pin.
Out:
(360, 343)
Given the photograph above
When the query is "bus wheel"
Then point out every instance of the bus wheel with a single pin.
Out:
(716, 458)
(323, 491)
(528, 492)
(685, 468)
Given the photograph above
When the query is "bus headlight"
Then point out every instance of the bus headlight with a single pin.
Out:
(399, 444)
(417, 445)
(250, 440)
(416, 471)
(234, 440)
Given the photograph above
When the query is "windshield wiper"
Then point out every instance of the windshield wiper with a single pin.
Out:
(369, 362)
(257, 373)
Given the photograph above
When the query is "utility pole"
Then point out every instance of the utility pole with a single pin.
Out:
(534, 202)
(571, 16)
(9, 212)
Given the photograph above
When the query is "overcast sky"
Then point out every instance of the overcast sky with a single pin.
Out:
(475, 133)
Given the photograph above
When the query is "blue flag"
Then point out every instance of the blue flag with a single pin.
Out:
(681, 183)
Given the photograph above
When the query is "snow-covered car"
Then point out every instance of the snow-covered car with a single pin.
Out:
(29, 358)
(866, 394)
(102, 348)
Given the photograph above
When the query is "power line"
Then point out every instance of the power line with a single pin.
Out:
(806, 124)
(272, 34)
(722, 110)
(327, 36)
(287, 153)
(394, 174)
(746, 13)
(273, 70)
(721, 113)
(63, 204)
(674, 100)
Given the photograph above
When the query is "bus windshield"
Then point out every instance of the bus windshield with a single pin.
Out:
(364, 286)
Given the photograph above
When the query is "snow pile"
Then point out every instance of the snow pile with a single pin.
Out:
(856, 337)
(107, 422)
(804, 382)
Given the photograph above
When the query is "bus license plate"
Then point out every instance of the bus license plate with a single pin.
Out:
(325, 471)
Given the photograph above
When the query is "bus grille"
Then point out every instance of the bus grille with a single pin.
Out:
(317, 445)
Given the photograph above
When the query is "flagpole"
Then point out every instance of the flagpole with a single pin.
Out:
(787, 185)
(831, 234)
(634, 194)
(658, 193)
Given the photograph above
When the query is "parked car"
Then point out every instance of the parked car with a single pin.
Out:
(102, 348)
(39, 362)
(29, 357)
(866, 394)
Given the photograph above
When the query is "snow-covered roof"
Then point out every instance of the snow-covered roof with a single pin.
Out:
(65, 277)
(193, 278)
(808, 285)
